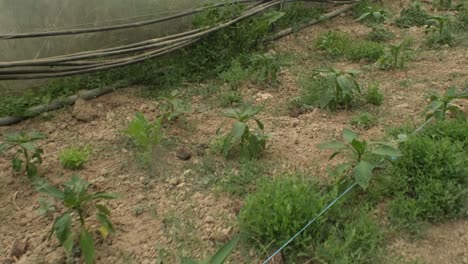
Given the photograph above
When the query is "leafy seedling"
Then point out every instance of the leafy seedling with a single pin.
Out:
(441, 104)
(252, 143)
(395, 57)
(27, 154)
(78, 204)
(172, 107)
(219, 257)
(264, 68)
(362, 155)
(440, 30)
(345, 89)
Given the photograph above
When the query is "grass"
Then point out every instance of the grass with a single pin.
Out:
(74, 158)
(337, 44)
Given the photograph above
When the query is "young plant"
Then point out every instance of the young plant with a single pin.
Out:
(74, 158)
(78, 204)
(440, 30)
(252, 143)
(380, 34)
(412, 16)
(362, 155)
(219, 257)
(28, 155)
(264, 68)
(440, 104)
(345, 88)
(235, 75)
(172, 107)
(395, 57)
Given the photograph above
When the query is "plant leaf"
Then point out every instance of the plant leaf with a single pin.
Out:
(237, 131)
(87, 246)
(363, 173)
(386, 150)
(30, 146)
(63, 231)
(221, 255)
(103, 209)
(17, 164)
(52, 191)
(106, 225)
(334, 145)
(349, 135)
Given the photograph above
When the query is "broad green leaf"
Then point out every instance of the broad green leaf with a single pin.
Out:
(63, 231)
(184, 260)
(334, 145)
(238, 130)
(343, 167)
(87, 246)
(221, 255)
(349, 135)
(385, 150)
(31, 170)
(345, 83)
(359, 146)
(434, 106)
(51, 190)
(30, 146)
(17, 164)
(231, 113)
(363, 173)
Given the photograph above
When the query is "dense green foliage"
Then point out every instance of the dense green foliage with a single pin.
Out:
(374, 95)
(414, 15)
(74, 158)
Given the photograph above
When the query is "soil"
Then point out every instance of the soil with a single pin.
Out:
(167, 211)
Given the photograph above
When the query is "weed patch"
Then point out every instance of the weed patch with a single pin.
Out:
(74, 158)
(364, 120)
(414, 15)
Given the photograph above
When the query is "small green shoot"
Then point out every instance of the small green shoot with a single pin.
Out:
(345, 89)
(362, 163)
(374, 95)
(440, 31)
(264, 68)
(78, 204)
(364, 120)
(395, 57)
(145, 134)
(27, 154)
(441, 104)
(252, 143)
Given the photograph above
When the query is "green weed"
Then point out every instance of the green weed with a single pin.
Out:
(414, 15)
(74, 158)
(380, 34)
(264, 68)
(429, 181)
(27, 155)
(145, 134)
(374, 95)
(230, 99)
(364, 120)
(235, 75)
(442, 4)
(78, 204)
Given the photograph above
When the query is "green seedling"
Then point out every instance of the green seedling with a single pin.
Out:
(364, 120)
(219, 257)
(440, 30)
(252, 143)
(264, 68)
(441, 104)
(172, 107)
(345, 89)
(78, 204)
(145, 134)
(74, 158)
(362, 155)
(395, 57)
(414, 15)
(28, 155)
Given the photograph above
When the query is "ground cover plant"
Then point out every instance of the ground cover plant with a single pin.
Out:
(413, 15)
(145, 135)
